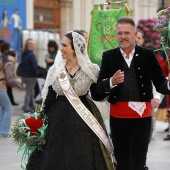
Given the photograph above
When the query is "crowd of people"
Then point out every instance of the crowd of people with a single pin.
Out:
(131, 79)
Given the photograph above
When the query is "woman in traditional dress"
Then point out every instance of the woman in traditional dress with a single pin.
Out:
(76, 137)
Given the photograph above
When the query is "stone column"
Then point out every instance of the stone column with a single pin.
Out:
(66, 16)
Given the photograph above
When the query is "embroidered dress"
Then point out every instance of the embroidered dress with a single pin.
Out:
(71, 144)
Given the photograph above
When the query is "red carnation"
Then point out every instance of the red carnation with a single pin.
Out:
(149, 35)
(34, 124)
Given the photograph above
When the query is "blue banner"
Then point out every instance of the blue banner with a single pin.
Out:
(12, 21)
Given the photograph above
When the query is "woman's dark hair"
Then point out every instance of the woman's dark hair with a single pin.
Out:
(2, 41)
(5, 55)
(69, 35)
(4, 47)
(53, 44)
(11, 53)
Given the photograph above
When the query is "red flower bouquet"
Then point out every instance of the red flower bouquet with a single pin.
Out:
(29, 132)
(34, 124)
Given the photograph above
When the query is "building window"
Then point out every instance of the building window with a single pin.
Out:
(43, 15)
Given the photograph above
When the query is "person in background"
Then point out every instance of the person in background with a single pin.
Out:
(17, 22)
(1, 41)
(52, 52)
(13, 59)
(29, 74)
(156, 96)
(85, 35)
(6, 47)
(166, 72)
(7, 77)
(125, 79)
(159, 58)
(139, 37)
(139, 41)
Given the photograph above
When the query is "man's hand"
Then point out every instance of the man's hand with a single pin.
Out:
(155, 102)
(19, 80)
(118, 77)
(49, 60)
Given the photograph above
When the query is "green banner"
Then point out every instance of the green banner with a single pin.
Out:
(102, 35)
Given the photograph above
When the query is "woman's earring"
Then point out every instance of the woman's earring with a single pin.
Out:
(74, 54)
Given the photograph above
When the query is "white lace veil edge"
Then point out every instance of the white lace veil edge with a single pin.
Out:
(83, 60)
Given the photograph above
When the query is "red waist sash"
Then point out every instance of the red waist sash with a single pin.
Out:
(122, 110)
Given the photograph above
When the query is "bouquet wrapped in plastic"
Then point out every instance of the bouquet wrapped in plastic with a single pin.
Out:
(29, 133)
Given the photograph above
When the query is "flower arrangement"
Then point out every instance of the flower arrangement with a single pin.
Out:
(151, 37)
(29, 132)
(163, 26)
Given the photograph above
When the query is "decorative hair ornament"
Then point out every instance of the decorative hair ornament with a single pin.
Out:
(163, 26)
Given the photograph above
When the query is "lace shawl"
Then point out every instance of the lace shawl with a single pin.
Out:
(80, 83)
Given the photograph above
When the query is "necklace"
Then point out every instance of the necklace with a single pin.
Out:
(70, 67)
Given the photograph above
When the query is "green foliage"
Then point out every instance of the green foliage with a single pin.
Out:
(163, 26)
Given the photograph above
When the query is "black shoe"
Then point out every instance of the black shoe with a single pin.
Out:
(39, 101)
(167, 137)
(15, 104)
(28, 111)
(167, 129)
(22, 108)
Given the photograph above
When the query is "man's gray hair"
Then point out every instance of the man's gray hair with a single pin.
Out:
(126, 20)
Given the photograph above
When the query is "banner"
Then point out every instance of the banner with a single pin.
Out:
(102, 35)
(12, 21)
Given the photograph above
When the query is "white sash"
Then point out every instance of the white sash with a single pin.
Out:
(83, 112)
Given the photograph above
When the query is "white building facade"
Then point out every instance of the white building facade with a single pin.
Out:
(75, 14)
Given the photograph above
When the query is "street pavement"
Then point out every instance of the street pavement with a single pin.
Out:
(158, 154)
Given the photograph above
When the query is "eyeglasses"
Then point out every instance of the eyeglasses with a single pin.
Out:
(120, 34)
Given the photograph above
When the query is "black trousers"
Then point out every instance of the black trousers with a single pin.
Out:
(130, 139)
(10, 94)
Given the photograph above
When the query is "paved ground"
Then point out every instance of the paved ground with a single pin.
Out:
(158, 155)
